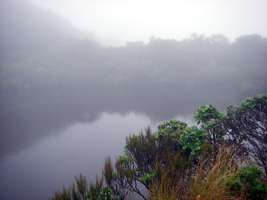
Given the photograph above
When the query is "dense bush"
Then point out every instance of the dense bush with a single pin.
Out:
(248, 182)
(183, 162)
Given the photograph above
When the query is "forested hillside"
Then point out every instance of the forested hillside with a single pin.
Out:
(223, 156)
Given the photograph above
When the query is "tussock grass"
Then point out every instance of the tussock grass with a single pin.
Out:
(165, 189)
(208, 183)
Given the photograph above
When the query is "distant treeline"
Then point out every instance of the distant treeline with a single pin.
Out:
(71, 81)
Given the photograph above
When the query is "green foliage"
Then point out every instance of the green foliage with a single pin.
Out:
(171, 149)
(171, 126)
(207, 115)
(234, 183)
(124, 159)
(248, 182)
(253, 102)
(177, 156)
(210, 120)
(192, 139)
(148, 177)
(170, 129)
(103, 193)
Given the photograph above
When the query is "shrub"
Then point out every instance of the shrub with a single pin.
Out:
(192, 139)
(248, 183)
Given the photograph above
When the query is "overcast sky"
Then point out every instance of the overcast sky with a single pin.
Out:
(117, 21)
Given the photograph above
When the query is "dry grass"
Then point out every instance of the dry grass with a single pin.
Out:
(209, 182)
(164, 189)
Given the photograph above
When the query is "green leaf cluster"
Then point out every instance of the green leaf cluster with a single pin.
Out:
(192, 139)
(248, 181)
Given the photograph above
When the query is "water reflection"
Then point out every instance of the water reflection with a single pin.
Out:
(36, 172)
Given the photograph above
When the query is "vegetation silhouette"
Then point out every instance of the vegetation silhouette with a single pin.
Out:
(223, 157)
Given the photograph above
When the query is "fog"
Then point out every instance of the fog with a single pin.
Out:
(56, 81)
(114, 22)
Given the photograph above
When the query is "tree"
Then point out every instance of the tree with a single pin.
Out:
(246, 126)
(182, 156)
(248, 183)
(171, 150)
(209, 119)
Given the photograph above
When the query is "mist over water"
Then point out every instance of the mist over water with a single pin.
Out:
(67, 101)
(38, 171)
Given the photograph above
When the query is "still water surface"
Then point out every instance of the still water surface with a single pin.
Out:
(36, 172)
